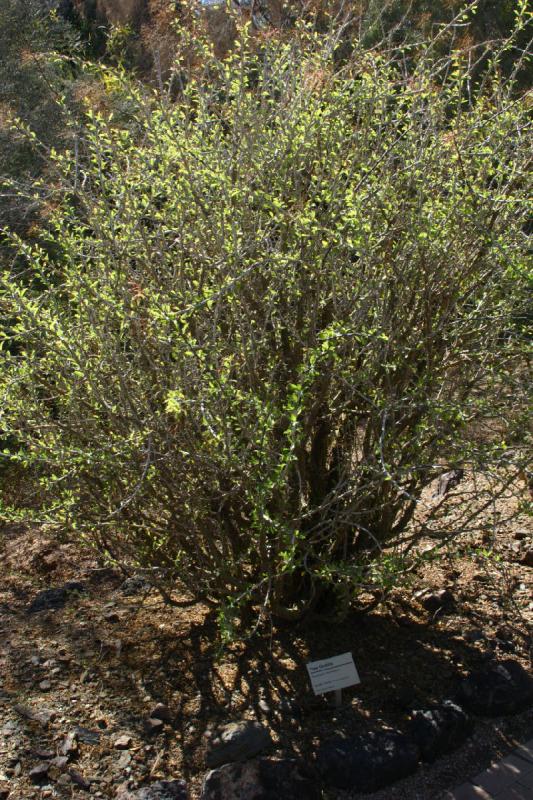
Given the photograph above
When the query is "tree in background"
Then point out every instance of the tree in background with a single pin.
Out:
(34, 74)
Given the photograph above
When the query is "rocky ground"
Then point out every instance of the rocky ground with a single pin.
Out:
(104, 690)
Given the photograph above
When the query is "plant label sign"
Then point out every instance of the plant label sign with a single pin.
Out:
(333, 674)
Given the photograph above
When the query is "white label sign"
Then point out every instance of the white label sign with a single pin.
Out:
(334, 673)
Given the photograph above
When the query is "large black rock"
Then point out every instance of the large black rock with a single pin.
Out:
(369, 762)
(502, 687)
(52, 599)
(439, 729)
(237, 741)
(261, 779)
(161, 790)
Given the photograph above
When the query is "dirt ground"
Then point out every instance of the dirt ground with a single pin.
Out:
(104, 660)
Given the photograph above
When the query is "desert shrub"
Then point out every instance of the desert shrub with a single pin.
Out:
(273, 312)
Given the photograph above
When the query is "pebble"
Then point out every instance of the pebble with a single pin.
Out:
(86, 735)
(78, 779)
(69, 747)
(162, 712)
(153, 726)
(435, 602)
(39, 773)
(42, 716)
(123, 742)
(124, 761)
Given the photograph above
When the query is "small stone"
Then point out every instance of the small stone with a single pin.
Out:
(124, 761)
(448, 481)
(43, 716)
(43, 755)
(134, 585)
(502, 687)
(435, 602)
(237, 741)
(10, 727)
(527, 558)
(86, 735)
(123, 742)
(153, 726)
(78, 779)
(45, 686)
(261, 779)
(39, 773)
(69, 747)
(59, 762)
(163, 712)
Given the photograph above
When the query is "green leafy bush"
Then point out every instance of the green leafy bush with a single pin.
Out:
(271, 314)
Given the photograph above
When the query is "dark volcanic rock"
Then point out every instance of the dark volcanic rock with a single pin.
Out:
(79, 780)
(163, 712)
(260, 779)
(55, 598)
(161, 790)
(135, 585)
(440, 729)
(236, 742)
(153, 726)
(39, 774)
(434, 602)
(367, 763)
(502, 687)
(43, 715)
(86, 735)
